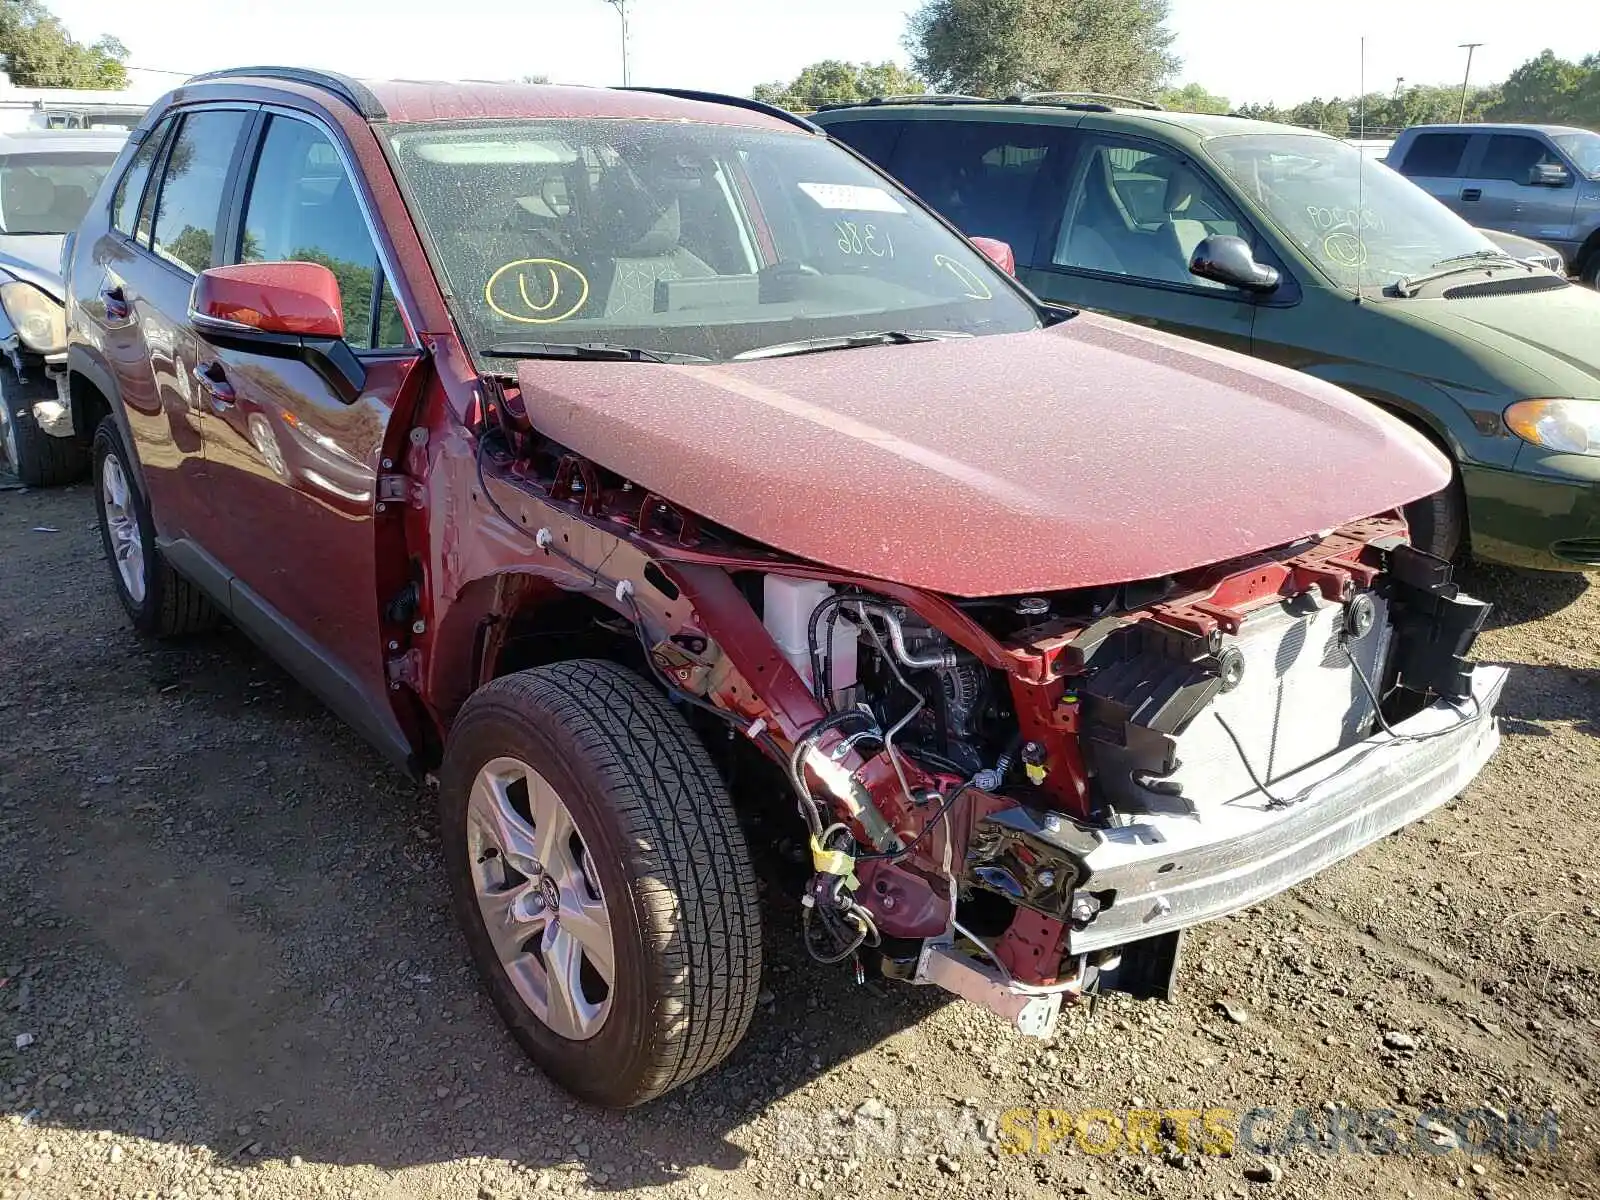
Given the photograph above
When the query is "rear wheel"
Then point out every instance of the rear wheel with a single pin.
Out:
(36, 457)
(601, 879)
(156, 598)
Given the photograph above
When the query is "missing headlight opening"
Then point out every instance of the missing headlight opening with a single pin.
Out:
(1022, 799)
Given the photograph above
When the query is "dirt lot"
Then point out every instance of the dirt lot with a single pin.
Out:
(225, 949)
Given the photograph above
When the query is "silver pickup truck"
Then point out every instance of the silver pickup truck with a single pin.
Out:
(1538, 181)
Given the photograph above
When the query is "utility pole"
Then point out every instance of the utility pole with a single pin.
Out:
(1469, 47)
(622, 11)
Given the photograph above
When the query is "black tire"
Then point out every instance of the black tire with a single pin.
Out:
(38, 458)
(171, 606)
(672, 863)
(1439, 522)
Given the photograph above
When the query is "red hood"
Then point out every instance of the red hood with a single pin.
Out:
(1094, 452)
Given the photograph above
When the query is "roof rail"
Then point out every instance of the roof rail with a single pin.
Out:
(1098, 98)
(913, 97)
(907, 98)
(760, 106)
(353, 92)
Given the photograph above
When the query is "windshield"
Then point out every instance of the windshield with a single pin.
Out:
(1315, 189)
(49, 193)
(684, 239)
(1583, 148)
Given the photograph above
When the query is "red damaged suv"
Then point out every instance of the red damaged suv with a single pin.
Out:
(577, 445)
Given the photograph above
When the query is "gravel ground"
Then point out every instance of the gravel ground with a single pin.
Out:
(228, 969)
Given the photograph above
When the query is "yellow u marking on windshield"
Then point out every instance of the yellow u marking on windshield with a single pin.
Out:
(524, 308)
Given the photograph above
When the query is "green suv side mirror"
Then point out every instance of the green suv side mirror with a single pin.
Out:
(1223, 258)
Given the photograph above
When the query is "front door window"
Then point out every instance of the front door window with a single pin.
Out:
(1140, 212)
(302, 207)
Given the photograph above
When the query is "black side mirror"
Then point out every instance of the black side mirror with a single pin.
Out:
(1223, 258)
(1548, 175)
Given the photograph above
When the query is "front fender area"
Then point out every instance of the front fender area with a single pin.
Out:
(493, 582)
(1467, 434)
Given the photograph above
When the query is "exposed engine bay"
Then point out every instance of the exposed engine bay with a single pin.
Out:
(1023, 798)
(1151, 702)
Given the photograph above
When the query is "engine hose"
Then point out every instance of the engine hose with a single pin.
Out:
(822, 670)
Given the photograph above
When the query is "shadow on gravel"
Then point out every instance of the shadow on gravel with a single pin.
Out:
(1537, 692)
(1551, 694)
(231, 930)
(1520, 596)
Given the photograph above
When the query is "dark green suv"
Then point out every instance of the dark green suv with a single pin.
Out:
(1288, 245)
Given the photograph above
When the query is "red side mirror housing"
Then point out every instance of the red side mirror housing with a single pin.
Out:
(999, 253)
(272, 297)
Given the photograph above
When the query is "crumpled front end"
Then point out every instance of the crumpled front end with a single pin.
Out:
(1019, 798)
(1041, 792)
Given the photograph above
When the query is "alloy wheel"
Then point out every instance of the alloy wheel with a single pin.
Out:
(540, 899)
(8, 438)
(122, 523)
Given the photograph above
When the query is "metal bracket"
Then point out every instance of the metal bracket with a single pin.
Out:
(404, 670)
(1033, 1015)
(402, 489)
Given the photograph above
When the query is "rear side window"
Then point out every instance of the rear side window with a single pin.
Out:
(1513, 157)
(192, 186)
(875, 139)
(979, 175)
(1435, 156)
(130, 188)
(302, 207)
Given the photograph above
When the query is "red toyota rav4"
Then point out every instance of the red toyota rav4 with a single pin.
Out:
(578, 444)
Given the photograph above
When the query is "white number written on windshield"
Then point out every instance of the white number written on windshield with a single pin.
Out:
(863, 240)
(1330, 217)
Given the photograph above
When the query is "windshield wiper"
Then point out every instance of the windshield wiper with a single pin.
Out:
(850, 341)
(587, 352)
(1408, 285)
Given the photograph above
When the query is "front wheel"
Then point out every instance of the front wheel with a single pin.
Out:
(601, 880)
(36, 457)
(1439, 522)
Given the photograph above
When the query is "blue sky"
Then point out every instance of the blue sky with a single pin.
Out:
(1245, 49)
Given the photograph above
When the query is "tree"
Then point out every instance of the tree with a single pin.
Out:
(1261, 112)
(832, 82)
(1192, 97)
(1547, 88)
(998, 47)
(39, 52)
(1332, 116)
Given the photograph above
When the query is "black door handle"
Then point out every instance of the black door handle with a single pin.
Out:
(1472, 193)
(116, 301)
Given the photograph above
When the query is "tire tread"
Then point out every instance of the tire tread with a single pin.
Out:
(43, 460)
(180, 608)
(690, 868)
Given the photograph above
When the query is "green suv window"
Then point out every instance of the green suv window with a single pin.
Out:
(1139, 211)
(1357, 220)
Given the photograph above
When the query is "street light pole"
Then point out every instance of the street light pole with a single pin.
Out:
(622, 11)
(1469, 47)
